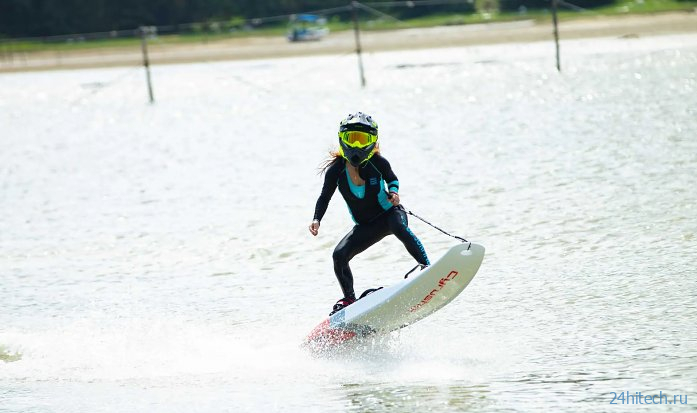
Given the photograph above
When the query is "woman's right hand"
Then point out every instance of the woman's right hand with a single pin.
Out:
(314, 228)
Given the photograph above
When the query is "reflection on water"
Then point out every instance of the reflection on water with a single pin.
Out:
(7, 356)
(391, 397)
(156, 258)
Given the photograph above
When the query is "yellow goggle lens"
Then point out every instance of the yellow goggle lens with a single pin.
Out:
(356, 138)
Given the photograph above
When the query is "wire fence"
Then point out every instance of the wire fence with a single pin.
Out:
(271, 36)
(113, 47)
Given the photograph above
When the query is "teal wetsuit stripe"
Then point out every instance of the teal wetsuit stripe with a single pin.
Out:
(393, 186)
(358, 190)
(382, 197)
(418, 242)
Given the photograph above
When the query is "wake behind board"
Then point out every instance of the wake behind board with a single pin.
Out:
(401, 304)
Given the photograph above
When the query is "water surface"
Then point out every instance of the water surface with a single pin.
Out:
(157, 258)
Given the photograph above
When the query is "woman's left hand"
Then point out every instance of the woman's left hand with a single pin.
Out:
(393, 198)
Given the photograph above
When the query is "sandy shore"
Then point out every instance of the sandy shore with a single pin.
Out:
(343, 42)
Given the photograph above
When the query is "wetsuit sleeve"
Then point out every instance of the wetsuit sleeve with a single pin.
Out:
(387, 174)
(330, 179)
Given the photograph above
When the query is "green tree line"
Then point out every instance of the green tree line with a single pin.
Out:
(28, 18)
(25, 18)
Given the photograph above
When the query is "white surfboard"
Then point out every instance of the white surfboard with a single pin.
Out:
(404, 303)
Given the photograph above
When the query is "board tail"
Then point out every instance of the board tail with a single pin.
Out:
(324, 335)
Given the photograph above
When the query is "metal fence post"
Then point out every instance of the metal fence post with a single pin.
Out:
(556, 32)
(356, 30)
(146, 62)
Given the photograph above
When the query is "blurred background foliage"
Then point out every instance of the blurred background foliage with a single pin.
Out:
(35, 18)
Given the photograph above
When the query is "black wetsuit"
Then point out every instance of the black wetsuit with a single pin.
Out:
(374, 215)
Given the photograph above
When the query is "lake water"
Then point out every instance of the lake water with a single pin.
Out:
(156, 258)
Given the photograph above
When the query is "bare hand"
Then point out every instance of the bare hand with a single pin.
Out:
(314, 228)
(393, 197)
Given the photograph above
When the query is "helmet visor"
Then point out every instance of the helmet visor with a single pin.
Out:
(357, 139)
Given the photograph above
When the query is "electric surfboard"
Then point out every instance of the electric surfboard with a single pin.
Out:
(404, 303)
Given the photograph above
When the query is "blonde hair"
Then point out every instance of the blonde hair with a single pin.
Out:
(335, 156)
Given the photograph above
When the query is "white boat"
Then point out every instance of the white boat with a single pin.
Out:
(307, 27)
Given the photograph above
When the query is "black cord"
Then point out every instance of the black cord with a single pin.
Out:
(450, 235)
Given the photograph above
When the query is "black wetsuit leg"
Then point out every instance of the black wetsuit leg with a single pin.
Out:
(358, 240)
(362, 236)
(399, 225)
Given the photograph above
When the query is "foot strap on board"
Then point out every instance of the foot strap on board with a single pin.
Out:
(414, 269)
(369, 291)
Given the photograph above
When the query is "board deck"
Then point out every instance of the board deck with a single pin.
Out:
(403, 303)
